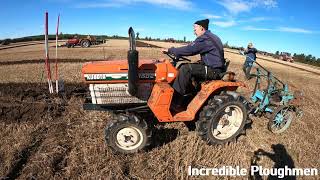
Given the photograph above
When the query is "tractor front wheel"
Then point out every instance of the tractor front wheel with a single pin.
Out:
(127, 134)
(222, 120)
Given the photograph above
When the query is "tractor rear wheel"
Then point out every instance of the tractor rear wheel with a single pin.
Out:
(85, 43)
(222, 120)
(127, 134)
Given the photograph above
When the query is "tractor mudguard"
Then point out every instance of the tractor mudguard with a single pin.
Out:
(207, 89)
(161, 96)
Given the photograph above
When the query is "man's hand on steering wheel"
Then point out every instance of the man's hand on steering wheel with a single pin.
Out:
(174, 57)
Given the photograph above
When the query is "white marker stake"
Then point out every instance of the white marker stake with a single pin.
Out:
(47, 54)
(56, 69)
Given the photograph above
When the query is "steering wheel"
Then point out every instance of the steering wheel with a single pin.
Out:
(174, 58)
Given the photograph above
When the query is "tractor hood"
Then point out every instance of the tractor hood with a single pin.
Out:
(116, 71)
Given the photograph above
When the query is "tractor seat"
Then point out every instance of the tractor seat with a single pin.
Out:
(197, 82)
(221, 75)
(224, 70)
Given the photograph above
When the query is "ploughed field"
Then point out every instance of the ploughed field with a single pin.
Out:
(48, 136)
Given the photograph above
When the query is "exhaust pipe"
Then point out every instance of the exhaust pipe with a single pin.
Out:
(133, 62)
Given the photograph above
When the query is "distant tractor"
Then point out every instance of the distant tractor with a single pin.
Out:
(285, 56)
(83, 42)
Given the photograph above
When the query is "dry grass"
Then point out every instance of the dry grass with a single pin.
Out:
(72, 145)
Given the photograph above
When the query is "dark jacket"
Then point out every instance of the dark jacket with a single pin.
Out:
(251, 54)
(208, 45)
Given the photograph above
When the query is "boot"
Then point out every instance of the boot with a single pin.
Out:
(177, 102)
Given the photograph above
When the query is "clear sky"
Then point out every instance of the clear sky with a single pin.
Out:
(284, 25)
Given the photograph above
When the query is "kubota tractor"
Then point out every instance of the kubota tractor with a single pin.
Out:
(132, 88)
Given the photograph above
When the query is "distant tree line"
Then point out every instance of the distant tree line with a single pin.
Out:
(308, 59)
(226, 45)
(149, 38)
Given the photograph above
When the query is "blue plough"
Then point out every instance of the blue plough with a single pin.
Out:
(274, 101)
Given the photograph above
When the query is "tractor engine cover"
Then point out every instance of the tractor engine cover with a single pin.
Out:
(108, 80)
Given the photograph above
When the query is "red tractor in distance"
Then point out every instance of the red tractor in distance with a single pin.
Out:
(285, 56)
(83, 42)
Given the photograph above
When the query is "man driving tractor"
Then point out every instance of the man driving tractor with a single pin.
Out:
(212, 62)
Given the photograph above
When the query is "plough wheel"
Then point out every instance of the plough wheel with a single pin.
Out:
(281, 119)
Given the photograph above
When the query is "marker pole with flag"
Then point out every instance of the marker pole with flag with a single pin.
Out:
(56, 65)
(47, 63)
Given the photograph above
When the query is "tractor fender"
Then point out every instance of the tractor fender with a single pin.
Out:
(213, 86)
(208, 91)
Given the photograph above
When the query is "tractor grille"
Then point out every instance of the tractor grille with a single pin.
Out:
(118, 93)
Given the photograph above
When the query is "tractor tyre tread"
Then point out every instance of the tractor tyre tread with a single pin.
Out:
(208, 113)
(122, 120)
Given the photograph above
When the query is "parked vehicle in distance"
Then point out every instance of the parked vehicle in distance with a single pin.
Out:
(285, 56)
(83, 42)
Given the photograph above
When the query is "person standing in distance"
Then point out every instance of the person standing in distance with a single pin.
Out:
(250, 59)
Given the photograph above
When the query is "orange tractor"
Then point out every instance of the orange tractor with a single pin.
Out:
(132, 88)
